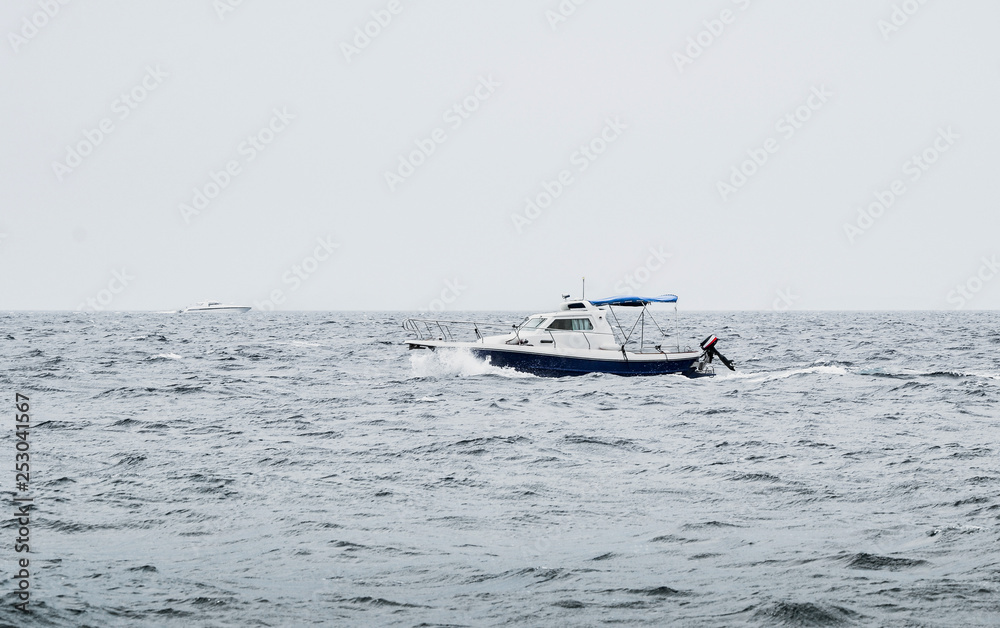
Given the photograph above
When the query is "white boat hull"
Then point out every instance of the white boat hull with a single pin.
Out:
(236, 309)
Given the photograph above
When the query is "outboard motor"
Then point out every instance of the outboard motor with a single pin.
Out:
(708, 346)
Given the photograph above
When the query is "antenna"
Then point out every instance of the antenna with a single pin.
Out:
(583, 289)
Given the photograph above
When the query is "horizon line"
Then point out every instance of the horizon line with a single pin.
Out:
(445, 312)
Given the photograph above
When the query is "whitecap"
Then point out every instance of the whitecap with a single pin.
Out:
(455, 363)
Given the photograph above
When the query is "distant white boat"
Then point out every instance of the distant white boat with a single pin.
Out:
(215, 307)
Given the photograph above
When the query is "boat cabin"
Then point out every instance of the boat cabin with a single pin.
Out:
(578, 325)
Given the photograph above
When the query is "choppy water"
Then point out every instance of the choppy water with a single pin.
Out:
(305, 469)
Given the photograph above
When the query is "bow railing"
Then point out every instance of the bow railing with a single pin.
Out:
(434, 329)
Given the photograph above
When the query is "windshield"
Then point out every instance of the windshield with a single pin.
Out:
(533, 323)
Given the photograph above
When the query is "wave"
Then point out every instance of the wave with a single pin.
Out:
(456, 363)
(774, 375)
(166, 356)
(579, 439)
(943, 374)
(875, 562)
(805, 614)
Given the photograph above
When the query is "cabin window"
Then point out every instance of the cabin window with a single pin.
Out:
(572, 324)
(533, 323)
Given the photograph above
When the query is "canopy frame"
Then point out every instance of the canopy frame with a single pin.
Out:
(634, 301)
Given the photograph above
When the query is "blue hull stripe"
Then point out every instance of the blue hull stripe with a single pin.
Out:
(553, 365)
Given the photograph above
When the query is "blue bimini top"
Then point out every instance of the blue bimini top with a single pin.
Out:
(630, 301)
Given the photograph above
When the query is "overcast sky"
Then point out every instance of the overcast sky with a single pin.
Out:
(742, 154)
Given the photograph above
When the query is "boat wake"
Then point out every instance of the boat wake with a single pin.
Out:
(828, 369)
(909, 374)
(455, 363)
(773, 375)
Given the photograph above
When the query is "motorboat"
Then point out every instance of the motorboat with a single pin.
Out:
(583, 336)
(215, 307)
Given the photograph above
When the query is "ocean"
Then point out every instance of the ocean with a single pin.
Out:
(305, 469)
